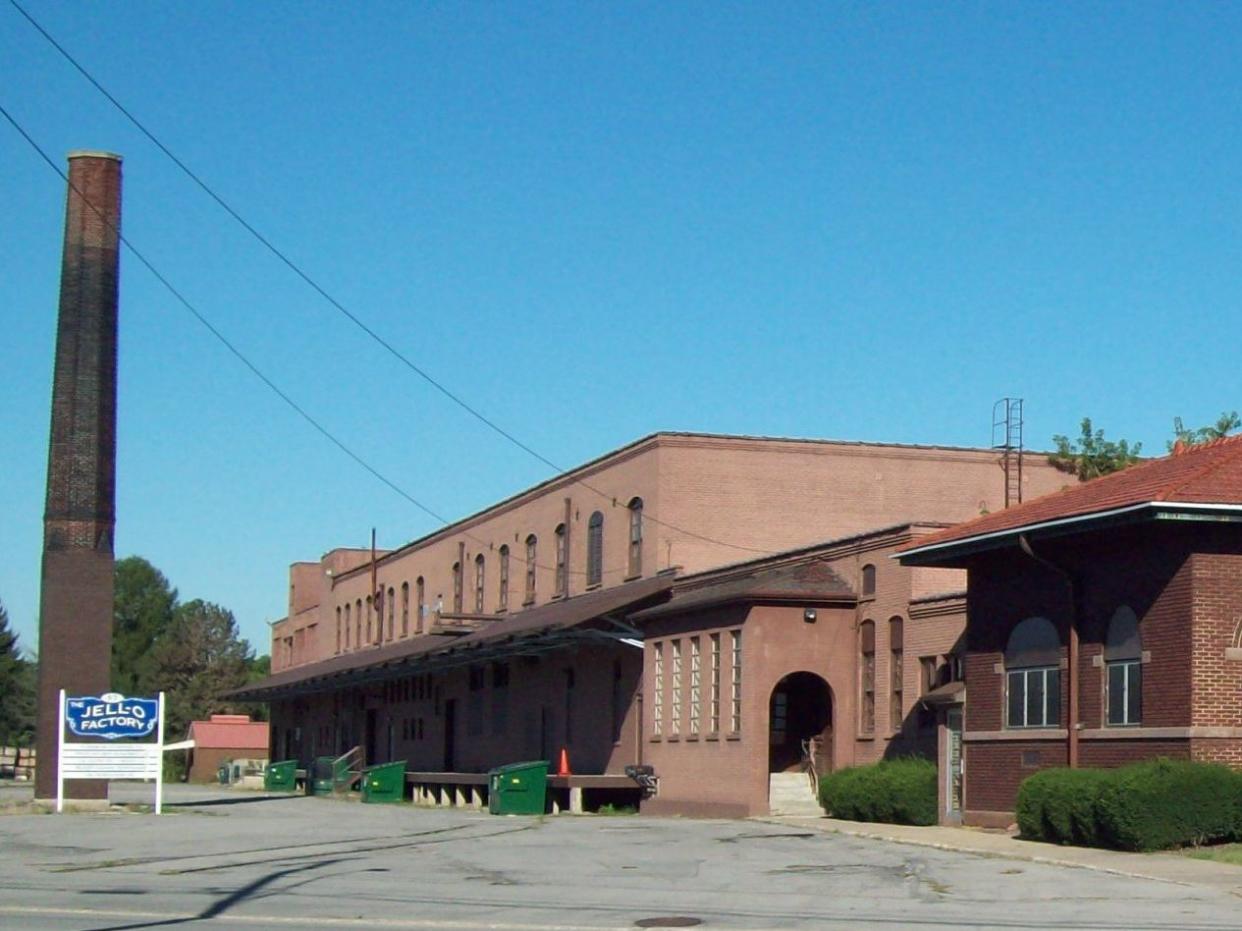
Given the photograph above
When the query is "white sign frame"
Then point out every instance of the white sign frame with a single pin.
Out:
(98, 760)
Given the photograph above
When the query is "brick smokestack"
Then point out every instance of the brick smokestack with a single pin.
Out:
(75, 610)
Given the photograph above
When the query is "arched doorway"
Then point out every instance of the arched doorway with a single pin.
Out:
(799, 710)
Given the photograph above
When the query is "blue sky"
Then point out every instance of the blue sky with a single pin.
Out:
(594, 221)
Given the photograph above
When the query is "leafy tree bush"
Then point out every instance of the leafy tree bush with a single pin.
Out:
(1153, 805)
(1170, 803)
(1059, 805)
(901, 791)
(1091, 456)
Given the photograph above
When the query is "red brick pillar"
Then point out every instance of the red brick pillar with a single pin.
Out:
(75, 610)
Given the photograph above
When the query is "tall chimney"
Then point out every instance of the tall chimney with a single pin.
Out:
(75, 610)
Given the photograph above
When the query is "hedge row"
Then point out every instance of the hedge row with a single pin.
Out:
(1145, 806)
(894, 791)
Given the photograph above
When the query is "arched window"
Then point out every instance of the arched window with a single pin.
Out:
(347, 625)
(896, 672)
(503, 602)
(562, 556)
(1033, 674)
(391, 608)
(458, 584)
(338, 628)
(1123, 661)
(635, 566)
(868, 581)
(405, 609)
(420, 604)
(595, 549)
(531, 544)
(370, 614)
(479, 573)
(866, 650)
(358, 622)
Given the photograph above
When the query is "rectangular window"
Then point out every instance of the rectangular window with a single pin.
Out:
(420, 604)
(530, 570)
(562, 556)
(713, 721)
(896, 674)
(338, 629)
(735, 713)
(503, 601)
(457, 587)
(657, 690)
(1034, 697)
(618, 702)
(500, 698)
(867, 673)
(1125, 692)
(696, 697)
(674, 724)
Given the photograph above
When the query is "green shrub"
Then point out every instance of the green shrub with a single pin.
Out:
(893, 791)
(1145, 806)
(1059, 805)
(1170, 803)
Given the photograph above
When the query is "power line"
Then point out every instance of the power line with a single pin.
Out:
(341, 308)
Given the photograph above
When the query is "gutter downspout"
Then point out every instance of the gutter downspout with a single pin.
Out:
(1071, 736)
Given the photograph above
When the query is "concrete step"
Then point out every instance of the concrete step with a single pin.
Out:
(791, 794)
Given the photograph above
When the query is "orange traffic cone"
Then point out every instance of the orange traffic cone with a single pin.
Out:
(563, 768)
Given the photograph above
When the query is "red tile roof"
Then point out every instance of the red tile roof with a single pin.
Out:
(1210, 473)
(229, 732)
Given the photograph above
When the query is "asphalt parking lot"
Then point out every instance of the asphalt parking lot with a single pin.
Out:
(222, 860)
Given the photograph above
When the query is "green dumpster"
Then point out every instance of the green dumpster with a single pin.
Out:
(518, 788)
(281, 777)
(384, 783)
(319, 777)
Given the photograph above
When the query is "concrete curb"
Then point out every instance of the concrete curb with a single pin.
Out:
(1158, 867)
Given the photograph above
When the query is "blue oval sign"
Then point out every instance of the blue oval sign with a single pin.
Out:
(112, 716)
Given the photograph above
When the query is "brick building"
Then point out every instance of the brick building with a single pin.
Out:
(605, 612)
(1104, 624)
(220, 738)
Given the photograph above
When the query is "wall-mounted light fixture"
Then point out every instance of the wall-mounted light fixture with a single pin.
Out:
(808, 615)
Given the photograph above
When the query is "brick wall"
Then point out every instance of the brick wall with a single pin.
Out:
(1217, 680)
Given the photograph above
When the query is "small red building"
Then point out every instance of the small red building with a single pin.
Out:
(1104, 624)
(224, 737)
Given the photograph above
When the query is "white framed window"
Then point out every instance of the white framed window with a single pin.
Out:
(696, 696)
(713, 720)
(657, 690)
(1123, 664)
(1033, 675)
(735, 710)
(674, 724)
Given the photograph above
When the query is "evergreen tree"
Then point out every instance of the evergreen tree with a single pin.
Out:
(143, 604)
(17, 689)
(198, 657)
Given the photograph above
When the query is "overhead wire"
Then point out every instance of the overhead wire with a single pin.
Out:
(228, 344)
(343, 310)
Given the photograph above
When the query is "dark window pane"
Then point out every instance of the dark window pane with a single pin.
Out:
(1017, 699)
(1053, 718)
(1034, 697)
(1134, 695)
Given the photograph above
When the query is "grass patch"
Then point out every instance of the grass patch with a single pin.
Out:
(1220, 853)
(614, 810)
